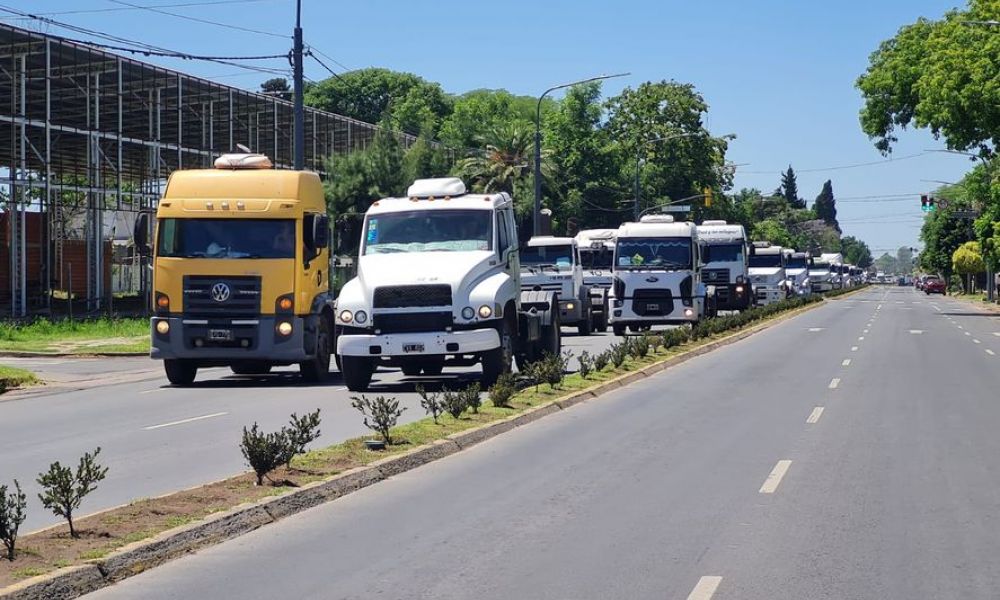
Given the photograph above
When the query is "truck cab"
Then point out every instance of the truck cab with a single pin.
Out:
(726, 257)
(241, 275)
(825, 275)
(438, 285)
(553, 264)
(596, 248)
(767, 273)
(797, 270)
(657, 275)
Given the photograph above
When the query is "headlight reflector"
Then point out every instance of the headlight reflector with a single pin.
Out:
(360, 317)
(162, 327)
(485, 312)
(468, 313)
(285, 328)
(346, 316)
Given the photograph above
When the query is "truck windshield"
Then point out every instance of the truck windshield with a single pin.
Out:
(547, 256)
(429, 231)
(797, 262)
(765, 260)
(723, 253)
(596, 259)
(646, 253)
(820, 267)
(226, 238)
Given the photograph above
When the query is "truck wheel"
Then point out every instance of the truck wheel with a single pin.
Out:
(551, 342)
(357, 372)
(618, 330)
(317, 369)
(601, 320)
(180, 372)
(498, 361)
(251, 368)
(586, 326)
(410, 370)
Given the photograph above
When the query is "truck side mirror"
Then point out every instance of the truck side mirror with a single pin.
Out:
(315, 234)
(140, 234)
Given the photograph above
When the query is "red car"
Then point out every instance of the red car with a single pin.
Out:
(934, 285)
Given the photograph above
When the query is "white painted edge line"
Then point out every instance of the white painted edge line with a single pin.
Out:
(775, 477)
(834, 383)
(705, 588)
(846, 363)
(183, 421)
(153, 391)
(990, 352)
(854, 348)
(815, 415)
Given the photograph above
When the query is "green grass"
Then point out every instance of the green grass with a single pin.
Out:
(12, 377)
(76, 337)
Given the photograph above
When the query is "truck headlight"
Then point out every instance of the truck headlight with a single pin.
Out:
(739, 289)
(360, 317)
(162, 327)
(569, 306)
(468, 313)
(285, 328)
(688, 312)
(346, 316)
(485, 312)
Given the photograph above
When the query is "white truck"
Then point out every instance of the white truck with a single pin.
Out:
(824, 275)
(597, 249)
(439, 285)
(767, 273)
(797, 271)
(552, 264)
(727, 266)
(657, 275)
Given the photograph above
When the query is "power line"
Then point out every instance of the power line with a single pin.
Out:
(323, 64)
(107, 10)
(330, 58)
(840, 167)
(199, 20)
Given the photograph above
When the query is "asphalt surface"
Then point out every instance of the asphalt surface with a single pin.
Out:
(719, 478)
(158, 439)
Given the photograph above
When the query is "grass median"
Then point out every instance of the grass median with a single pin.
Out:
(12, 377)
(107, 531)
(96, 336)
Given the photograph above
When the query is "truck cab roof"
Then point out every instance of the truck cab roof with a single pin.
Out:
(720, 232)
(246, 193)
(549, 240)
(657, 228)
(442, 193)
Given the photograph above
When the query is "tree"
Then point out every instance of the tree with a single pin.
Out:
(773, 231)
(942, 234)
(904, 259)
(475, 113)
(968, 262)
(63, 491)
(886, 263)
(855, 251)
(277, 87)
(826, 206)
(400, 100)
(358, 178)
(789, 188)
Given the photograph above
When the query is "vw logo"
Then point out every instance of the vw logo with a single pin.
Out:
(220, 292)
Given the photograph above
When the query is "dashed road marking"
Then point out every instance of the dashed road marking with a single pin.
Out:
(815, 415)
(975, 341)
(815, 329)
(865, 331)
(846, 363)
(916, 331)
(854, 348)
(968, 333)
(774, 478)
(861, 339)
(705, 588)
(990, 352)
(183, 421)
(996, 333)
(834, 383)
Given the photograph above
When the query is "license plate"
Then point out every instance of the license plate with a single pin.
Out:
(413, 347)
(220, 335)
(652, 307)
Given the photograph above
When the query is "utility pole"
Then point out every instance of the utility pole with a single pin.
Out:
(299, 141)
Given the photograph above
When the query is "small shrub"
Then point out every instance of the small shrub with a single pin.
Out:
(640, 346)
(431, 403)
(12, 506)
(655, 342)
(535, 372)
(264, 452)
(380, 414)
(453, 403)
(586, 363)
(301, 432)
(619, 352)
(63, 491)
(503, 390)
(472, 398)
(601, 360)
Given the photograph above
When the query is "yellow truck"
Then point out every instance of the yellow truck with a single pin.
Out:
(241, 273)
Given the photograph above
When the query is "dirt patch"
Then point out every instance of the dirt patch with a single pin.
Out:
(72, 346)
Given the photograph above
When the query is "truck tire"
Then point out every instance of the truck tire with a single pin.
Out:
(251, 367)
(618, 330)
(551, 342)
(179, 371)
(317, 369)
(498, 361)
(357, 372)
(601, 319)
(586, 325)
(410, 370)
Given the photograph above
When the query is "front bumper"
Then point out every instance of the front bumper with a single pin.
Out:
(733, 296)
(768, 295)
(419, 344)
(625, 314)
(262, 342)
(822, 286)
(570, 311)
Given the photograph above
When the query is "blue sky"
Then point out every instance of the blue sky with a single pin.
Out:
(778, 74)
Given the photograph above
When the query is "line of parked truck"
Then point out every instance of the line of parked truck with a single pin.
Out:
(242, 278)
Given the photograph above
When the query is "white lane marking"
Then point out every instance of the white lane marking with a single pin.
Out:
(861, 339)
(916, 331)
(815, 329)
(183, 421)
(968, 333)
(854, 348)
(705, 588)
(846, 363)
(815, 415)
(996, 333)
(153, 391)
(990, 352)
(834, 383)
(975, 341)
(960, 327)
(774, 478)
(865, 331)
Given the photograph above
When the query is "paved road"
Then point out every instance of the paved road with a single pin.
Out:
(720, 478)
(156, 439)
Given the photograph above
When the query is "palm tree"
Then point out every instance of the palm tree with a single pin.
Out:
(506, 160)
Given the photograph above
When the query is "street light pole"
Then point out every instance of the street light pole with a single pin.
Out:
(536, 229)
(299, 149)
(638, 163)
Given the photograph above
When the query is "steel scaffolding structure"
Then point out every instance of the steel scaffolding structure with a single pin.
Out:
(92, 133)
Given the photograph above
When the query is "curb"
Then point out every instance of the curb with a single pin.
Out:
(133, 559)
(26, 354)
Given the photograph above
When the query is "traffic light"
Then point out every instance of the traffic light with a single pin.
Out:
(927, 203)
(708, 196)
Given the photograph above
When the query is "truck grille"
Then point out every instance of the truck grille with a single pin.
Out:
(652, 302)
(229, 296)
(542, 287)
(716, 275)
(412, 322)
(408, 296)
